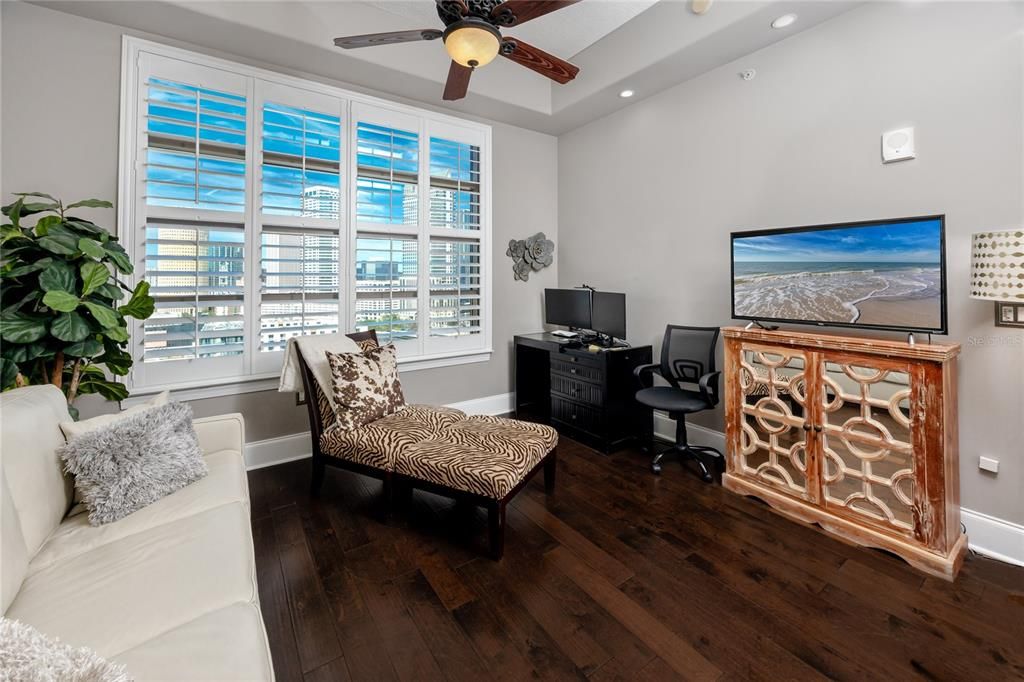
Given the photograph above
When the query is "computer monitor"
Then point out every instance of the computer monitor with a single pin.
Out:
(567, 307)
(608, 314)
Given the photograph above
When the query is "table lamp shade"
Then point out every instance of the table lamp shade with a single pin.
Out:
(997, 266)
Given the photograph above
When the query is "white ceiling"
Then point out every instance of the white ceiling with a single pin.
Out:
(566, 32)
(643, 45)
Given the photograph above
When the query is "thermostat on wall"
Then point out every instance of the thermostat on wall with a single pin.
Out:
(898, 145)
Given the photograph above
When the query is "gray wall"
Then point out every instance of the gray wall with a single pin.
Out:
(648, 196)
(61, 80)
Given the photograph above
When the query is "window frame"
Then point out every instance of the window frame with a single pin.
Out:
(192, 379)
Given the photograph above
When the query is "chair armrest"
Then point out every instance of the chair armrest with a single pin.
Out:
(643, 372)
(709, 390)
(223, 432)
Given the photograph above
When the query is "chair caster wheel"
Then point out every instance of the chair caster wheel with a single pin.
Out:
(656, 469)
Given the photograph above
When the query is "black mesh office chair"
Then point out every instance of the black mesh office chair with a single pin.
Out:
(688, 365)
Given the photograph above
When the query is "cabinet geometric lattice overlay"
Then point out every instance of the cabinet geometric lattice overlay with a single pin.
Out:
(856, 435)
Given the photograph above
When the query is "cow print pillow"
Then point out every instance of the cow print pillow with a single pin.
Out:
(365, 385)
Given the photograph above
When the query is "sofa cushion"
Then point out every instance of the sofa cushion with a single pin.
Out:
(124, 593)
(365, 385)
(13, 552)
(29, 437)
(379, 443)
(226, 644)
(225, 484)
(487, 456)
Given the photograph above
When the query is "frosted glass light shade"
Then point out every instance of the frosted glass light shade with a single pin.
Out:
(997, 266)
(472, 46)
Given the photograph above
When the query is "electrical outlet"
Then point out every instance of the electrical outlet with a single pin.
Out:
(988, 464)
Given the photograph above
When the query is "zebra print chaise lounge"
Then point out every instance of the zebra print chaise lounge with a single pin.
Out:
(481, 460)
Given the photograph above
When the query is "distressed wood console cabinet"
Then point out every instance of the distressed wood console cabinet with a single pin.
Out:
(856, 435)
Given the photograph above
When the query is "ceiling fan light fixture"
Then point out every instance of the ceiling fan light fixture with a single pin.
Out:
(472, 42)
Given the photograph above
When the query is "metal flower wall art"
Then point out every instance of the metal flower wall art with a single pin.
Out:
(530, 254)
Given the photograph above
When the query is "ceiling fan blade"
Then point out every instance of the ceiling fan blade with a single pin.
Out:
(458, 81)
(538, 60)
(515, 12)
(392, 38)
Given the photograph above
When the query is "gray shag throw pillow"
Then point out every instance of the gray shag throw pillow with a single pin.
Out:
(135, 461)
(27, 655)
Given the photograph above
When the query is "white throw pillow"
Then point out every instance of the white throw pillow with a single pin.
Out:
(76, 429)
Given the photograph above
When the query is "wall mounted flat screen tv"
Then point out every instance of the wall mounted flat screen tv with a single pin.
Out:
(884, 274)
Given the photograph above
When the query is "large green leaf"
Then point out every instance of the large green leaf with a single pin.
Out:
(107, 317)
(119, 256)
(70, 327)
(21, 328)
(13, 211)
(83, 226)
(44, 195)
(28, 268)
(18, 302)
(45, 223)
(94, 275)
(140, 305)
(86, 348)
(116, 360)
(60, 240)
(119, 334)
(38, 207)
(89, 203)
(111, 291)
(19, 353)
(111, 390)
(61, 301)
(59, 276)
(8, 374)
(91, 248)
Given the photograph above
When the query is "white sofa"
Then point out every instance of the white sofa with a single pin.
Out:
(169, 591)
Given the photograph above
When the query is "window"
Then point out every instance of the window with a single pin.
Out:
(264, 207)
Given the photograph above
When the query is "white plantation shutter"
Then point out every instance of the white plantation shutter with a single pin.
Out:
(300, 285)
(260, 207)
(300, 218)
(455, 288)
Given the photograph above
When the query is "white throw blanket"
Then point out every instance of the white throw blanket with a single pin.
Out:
(313, 349)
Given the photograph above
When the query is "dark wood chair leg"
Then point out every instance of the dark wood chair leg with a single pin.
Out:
(318, 475)
(550, 467)
(389, 493)
(496, 525)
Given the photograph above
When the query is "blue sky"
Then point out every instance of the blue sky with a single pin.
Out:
(916, 242)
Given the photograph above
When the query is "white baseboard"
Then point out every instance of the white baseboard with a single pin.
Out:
(993, 537)
(265, 453)
(988, 535)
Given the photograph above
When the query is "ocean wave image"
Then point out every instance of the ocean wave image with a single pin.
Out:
(884, 275)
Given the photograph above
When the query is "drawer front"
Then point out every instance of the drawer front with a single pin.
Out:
(580, 391)
(574, 368)
(576, 415)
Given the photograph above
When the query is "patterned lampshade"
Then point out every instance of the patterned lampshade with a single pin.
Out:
(997, 266)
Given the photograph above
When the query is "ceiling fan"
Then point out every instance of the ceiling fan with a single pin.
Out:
(472, 38)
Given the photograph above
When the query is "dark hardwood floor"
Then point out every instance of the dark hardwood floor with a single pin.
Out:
(618, 575)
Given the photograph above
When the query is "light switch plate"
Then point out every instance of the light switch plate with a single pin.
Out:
(898, 145)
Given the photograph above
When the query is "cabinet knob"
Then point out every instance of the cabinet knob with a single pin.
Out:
(807, 427)
(817, 428)
(572, 371)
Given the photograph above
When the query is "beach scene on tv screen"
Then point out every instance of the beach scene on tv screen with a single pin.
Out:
(873, 275)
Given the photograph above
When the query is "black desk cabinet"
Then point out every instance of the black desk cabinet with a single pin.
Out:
(586, 395)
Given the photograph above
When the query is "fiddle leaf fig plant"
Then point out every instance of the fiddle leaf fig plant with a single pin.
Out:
(63, 303)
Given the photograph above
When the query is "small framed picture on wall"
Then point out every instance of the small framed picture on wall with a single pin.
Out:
(1010, 315)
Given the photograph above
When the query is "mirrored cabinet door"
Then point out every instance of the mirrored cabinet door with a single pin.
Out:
(773, 443)
(867, 443)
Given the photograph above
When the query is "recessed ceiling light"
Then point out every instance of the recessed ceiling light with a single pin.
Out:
(626, 93)
(784, 21)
